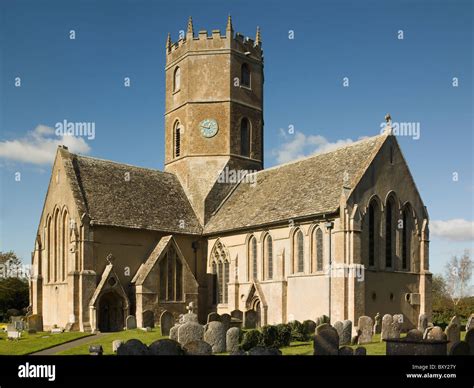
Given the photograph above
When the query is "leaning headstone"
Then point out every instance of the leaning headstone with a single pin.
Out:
(470, 322)
(131, 322)
(197, 348)
(469, 339)
(250, 319)
(378, 324)
(422, 322)
(453, 334)
(346, 332)
(35, 322)
(338, 326)
(215, 336)
(346, 351)
(116, 344)
(166, 322)
(211, 317)
(225, 319)
(456, 320)
(459, 348)
(263, 351)
(435, 333)
(166, 347)
(386, 325)
(232, 339)
(132, 347)
(237, 314)
(365, 328)
(396, 326)
(148, 319)
(326, 343)
(360, 351)
(174, 332)
(190, 331)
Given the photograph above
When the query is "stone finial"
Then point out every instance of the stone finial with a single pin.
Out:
(190, 307)
(190, 30)
(168, 42)
(258, 37)
(110, 258)
(388, 120)
(229, 29)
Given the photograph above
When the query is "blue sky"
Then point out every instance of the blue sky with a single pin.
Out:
(82, 80)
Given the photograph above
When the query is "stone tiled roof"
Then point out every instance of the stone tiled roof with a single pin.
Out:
(307, 187)
(150, 199)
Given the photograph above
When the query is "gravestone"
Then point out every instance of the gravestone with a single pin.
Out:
(130, 322)
(310, 326)
(360, 351)
(459, 348)
(35, 322)
(116, 344)
(232, 339)
(250, 319)
(166, 322)
(435, 333)
(237, 314)
(215, 336)
(453, 334)
(422, 322)
(197, 348)
(469, 339)
(211, 317)
(263, 351)
(322, 327)
(326, 343)
(148, 319)
(174, 332)
(470, 322)
(166, 347)
(396, 326)
(322, 319)
(225, 319)
(132, 347)
(346, 351)
(386, 325)
(365, 328)
(189, 317)
(456, 320)
(378, 324)
(190, 331)
(346, 332)
(415, 335)
(338, 326)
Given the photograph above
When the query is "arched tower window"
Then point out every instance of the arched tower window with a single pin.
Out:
(252, 259)
(176, 79)
(389, 232)
(268, 254)
(245, 75)
(319, 249)
(299, 251)
(177, 139)
(245, 137)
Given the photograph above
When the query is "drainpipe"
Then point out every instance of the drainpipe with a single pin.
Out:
(329, 226)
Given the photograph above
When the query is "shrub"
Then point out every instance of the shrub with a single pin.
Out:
(283, 335)
(251, 339)
(309, 327)
(270, 336)
(297, 331)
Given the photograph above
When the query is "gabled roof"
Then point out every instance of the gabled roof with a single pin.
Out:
(311, 186)
(150, 199)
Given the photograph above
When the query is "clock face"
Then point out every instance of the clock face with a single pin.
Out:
(208, 127)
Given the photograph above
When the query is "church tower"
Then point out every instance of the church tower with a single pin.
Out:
(214, 111)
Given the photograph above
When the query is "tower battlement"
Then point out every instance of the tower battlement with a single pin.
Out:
(215, 40)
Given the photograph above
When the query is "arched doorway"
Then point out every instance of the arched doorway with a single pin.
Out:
(257, 307)
(111, 317)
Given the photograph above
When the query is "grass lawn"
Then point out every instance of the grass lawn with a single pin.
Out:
(29, 343)
(106, 341)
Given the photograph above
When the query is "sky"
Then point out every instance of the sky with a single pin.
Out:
(333, 69)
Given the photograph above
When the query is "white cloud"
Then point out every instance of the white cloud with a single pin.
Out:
(39, 146)
(299, 145)
(455, 229)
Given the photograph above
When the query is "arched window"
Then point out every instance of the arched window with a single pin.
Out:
(220, 277)
(176, 79)
(171, 277)
(56, 246)
(268, 246)
(252, 259)
(406, 238)
(49, 247)
(177, 139)
(319, 249)
(389, 232)
(65, 245)
(245, 137)
(215, 290)
(299, 251)
(226, 281)
(220, 269)
(372, 210)
(245, 75)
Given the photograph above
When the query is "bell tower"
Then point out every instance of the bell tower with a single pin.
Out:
(214, 112)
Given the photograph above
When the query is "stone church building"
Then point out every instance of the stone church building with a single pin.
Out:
(343, 233)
